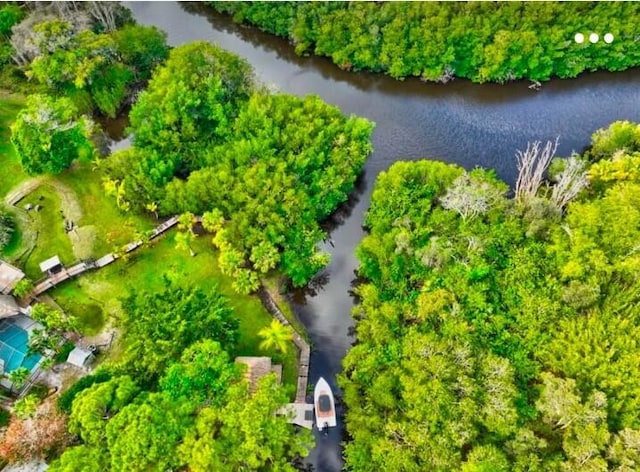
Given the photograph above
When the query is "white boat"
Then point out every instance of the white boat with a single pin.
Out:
(324, 405)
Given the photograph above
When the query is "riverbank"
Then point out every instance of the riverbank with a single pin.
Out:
(438, 42)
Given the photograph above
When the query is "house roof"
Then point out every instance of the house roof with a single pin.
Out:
(9, 277)
(50, 263)
(8, 306)
(79, 356)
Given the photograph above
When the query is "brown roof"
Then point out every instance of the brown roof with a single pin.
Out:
(258, 367)
(9, 276)
(8, 306)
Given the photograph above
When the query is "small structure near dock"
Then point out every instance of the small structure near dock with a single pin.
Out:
(300, 414)
(51, 266)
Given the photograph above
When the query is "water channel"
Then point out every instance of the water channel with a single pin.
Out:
(468, 124)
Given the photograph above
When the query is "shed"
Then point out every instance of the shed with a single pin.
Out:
(258, 367)
(51, 265)
(8, 306)
(9, 277)
(80, 357)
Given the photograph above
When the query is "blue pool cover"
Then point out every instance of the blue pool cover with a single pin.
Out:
(14, 344)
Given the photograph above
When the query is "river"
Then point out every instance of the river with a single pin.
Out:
(468, 124)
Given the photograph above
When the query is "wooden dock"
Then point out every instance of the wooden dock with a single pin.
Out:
(300, 414)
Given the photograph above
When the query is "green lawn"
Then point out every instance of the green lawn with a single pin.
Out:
(104, 287)
(48, 227)
(113, 227)
(12, 173)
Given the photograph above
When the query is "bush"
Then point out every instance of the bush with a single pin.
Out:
(66, 399)
(5, 416)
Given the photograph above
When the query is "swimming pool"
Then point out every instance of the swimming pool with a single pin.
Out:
(14, 346)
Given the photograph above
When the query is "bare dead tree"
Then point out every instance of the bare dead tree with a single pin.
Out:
(532, 165)
(105, 13)
(569, 182)
(469, 196)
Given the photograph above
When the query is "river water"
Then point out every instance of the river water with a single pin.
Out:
(468, 124)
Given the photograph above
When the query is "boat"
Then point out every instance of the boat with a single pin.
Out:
(324, 405)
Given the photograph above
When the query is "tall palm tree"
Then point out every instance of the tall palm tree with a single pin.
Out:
(276, 335)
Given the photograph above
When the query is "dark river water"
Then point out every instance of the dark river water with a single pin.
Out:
(469, 124)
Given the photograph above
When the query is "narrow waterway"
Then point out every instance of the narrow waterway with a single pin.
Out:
(469, 124)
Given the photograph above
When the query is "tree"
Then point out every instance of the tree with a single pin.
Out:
(142, 48)
(48, 135)
(22, 288)
(93, 407)
(145, 435)
(35, 437)
(19, 377)
(7, 228)
(470, 196)
(10, 15)
(569, 182)
(53, 320)
(203, 374)
(532, 164)
(276, 336)
(159, 325)
(185, 235)
(245, 433)
(80, 458)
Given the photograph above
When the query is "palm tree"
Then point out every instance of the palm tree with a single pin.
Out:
(276, 335)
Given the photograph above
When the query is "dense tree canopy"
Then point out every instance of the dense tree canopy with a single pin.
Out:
(263, 168)
(498, 334)
(482, 41)
(48, 135)
(159, 326)
(75, 49)
(201, 415)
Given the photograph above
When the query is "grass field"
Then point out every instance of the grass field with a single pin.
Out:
(94, 297)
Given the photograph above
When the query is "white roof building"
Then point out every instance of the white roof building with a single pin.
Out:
(80, 357)
(50, 264)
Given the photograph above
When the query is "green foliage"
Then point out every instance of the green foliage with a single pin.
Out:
(7, 228)
(159, 325)
(144, 436)
(276, 336)
(517, 352)
(19, 376)
(93, 407)
(189, 103)
(5, 417)
(81, 458)
(48, 136)
(204, 372)
(436, 41)
(65, 401)
(142, 48)
(26, 406)
(244, 434)
(22, 288)
(10, 15)
(260, 169)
